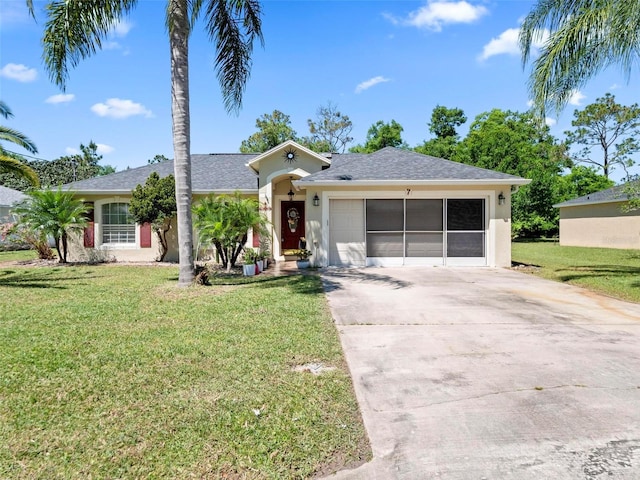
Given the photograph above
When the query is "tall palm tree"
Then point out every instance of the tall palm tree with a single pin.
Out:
(53, 213)
(75, 30)
(585, 37)
(11, 163)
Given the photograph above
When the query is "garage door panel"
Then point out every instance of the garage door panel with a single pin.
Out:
(346, 232)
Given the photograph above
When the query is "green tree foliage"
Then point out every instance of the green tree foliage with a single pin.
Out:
(585, 37)
(158, 159)
(75, 30)
(10, 162)
(519, 144)
(224, 221)
(66, 169)
(53, 213)
(381, 135)
(330, 129)
(582, 180)
(273, 129)
(612, 128)
(444, 122)
(155, 203)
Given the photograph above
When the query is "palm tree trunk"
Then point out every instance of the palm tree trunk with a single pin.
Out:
(179, 43)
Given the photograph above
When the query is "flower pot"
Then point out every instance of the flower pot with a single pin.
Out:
(303, 263)
(249, 270)
(260, 266)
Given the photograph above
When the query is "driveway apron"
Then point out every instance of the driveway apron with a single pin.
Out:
(478, 373)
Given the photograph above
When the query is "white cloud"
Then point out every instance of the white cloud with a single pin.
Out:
(18, 72)
(72, 151)
(615, 86)
(111, 45)
(121, 29)
(104, 149)
(435, 14)
(507, 43)
(370, 83)
(550, 121)
(60, 98)
(576, 98)
(118, 108)
(529, 103)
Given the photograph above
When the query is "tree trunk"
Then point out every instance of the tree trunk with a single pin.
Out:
(63, 238)
(61, 259)
(179, 42)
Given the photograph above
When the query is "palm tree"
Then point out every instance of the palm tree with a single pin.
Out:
(53, 213)
(11, 162)
(224, 222)
(75, 30)
(585, 37)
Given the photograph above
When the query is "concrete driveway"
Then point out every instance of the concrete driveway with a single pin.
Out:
(478, 373)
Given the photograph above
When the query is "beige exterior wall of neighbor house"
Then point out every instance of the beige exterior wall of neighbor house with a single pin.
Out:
(599, 225)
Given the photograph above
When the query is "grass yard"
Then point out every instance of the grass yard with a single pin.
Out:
(113, 372)
(605, 270)
(17, 255)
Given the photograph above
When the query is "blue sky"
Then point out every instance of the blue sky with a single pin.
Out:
(376, 60)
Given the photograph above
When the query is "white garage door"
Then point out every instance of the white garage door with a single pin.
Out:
(346, 232)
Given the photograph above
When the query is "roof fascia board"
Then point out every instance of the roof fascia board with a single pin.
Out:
(347, 183)
(589, 202)
(195, 192)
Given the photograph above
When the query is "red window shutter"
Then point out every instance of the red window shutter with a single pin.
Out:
(145, 235)
(256, 237)
(89, 240)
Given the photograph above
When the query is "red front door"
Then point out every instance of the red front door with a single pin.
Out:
(292, 224)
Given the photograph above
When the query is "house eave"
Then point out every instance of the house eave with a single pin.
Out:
(251, 191)
(590, 202)
(390, 183)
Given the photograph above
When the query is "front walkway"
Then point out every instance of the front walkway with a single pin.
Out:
(479, 373)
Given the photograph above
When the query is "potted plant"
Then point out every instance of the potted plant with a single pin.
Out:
(249, 267)
(303, 258)
(264, 256)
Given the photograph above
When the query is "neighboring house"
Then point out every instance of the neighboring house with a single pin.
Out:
(597, 220)
(9, 197)
(391, 207)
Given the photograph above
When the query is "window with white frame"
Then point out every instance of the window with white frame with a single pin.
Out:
(118, 225)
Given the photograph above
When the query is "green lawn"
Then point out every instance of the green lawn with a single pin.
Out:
(113, 372)
(606, 270)
(17, 255)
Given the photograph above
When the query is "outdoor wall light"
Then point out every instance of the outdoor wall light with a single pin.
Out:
(501, 199)
(316, 200)
(291, 192)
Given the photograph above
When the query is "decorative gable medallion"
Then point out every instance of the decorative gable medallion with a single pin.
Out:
(290, 155)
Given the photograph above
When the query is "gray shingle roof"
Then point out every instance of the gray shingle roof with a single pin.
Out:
(209, 173)
(228, 172)
(9, 196)
(394, 164)
(613, 194)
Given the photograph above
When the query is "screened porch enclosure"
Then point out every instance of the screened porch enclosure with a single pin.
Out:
(425, 231)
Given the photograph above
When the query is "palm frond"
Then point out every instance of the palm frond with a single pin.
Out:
(75, 30)
(12, 165)
(5, 111)
(14, 136)
(586, 36)
(233, 27)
